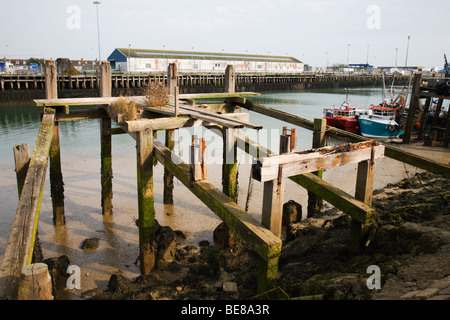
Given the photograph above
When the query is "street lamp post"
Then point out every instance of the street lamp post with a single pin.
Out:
(407, 49)
(98, 32)
(348, 52)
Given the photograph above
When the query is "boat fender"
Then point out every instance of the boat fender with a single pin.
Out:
(391, 128)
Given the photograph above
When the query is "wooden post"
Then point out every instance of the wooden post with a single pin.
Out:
(229, 166)
(56, 177)
(35, 283)
(51, 85)
(315, 203)
(230, 79)
(172, 78)
(106, 143)
(438, 111)
(22, 160)
(272, 209)
(168, 177)
(144, 147)
(423, 120)
(195, 164)
(415, 95)
(177, 101)
(447, 131)
(364, 193)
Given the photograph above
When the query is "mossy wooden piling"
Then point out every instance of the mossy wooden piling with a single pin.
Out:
(146, 207)
(56, 177)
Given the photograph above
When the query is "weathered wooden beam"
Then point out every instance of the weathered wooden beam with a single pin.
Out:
(22, 161)
(19, 249)
(144, 157)
(110, 100)
(230, 79)
(391, 152)
(51, 87)
(81, 115)
(268, 168)
(158, 124)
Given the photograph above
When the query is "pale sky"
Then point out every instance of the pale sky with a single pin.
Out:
(308, 30)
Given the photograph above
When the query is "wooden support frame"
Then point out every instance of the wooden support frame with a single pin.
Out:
(229, 166)
(19, 250)
(267, 169)
(415, 96)
(263, 242)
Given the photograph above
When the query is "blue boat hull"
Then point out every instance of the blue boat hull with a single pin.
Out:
(379, 128)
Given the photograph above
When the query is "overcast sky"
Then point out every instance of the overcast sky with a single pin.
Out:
(310, 30)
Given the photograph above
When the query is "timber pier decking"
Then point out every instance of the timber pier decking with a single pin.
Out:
(270, 169)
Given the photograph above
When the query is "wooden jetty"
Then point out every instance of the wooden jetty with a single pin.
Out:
(269, 168)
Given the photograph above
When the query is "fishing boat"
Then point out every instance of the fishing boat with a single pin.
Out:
(380, 123)
(342, 118)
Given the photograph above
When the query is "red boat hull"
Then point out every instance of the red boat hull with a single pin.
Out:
(350, 125)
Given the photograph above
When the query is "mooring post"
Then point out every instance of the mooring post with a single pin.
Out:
(415, 95)
(56, 177)
(364, 193)
(172, 78)
(147, 248)
(106, 143)
(168, 177)
(229, 166)
(315, 203)
(230, 79)
(22, 160)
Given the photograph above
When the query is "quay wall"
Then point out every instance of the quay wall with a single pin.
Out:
(25, 88)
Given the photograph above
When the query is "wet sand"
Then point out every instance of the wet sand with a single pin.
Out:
(118, 234)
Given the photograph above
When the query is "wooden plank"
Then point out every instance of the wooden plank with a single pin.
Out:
(390, 151)
(158, 124)
(267, 169)
(272, 208)
(110, 100)
(19, 250)
(263, 241)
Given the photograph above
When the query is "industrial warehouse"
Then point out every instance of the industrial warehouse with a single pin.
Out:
(145, 61)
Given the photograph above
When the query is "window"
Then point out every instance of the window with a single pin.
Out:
(148, 65)
(195, 66)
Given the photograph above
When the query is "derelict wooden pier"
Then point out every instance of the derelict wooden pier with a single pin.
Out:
(269, 168)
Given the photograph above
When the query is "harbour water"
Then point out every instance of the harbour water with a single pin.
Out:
(118, 234)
